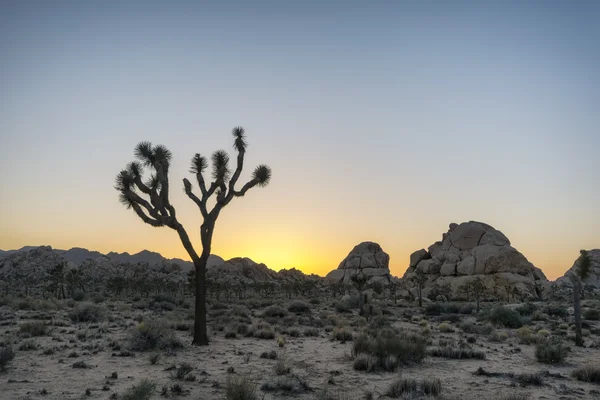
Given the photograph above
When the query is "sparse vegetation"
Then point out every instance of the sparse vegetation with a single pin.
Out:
(551, 352)
(142, 391)
(240, 388)
(588, 373)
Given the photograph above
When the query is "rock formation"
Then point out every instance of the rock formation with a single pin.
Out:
(370, 257)
(470, 250)
(594, 277)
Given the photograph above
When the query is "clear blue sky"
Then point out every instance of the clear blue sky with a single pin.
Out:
(382, 121)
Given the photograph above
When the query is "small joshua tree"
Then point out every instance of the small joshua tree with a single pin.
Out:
(360, 281)
(150, 201)
(419, 280)
(581, 273)
(478, 288)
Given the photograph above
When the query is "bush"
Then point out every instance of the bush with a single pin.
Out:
(33, 329)
(299, 307)
(505, 317)
(529, 379)
(526, 309)
(6, 356)
(275, 311)
(290, 385)
(311, 332)
(589, 373)
(271, 355)
(551, 352)
(432, 387)
(365, 362)
(391, 352)
(556, 311)
(498, 336)
(401, 387)
(526, 335)
(446, 328)
(343, 334)
(78, 295)
(142, 391)
(456, 353)
(469, 327)
(591, 314)
(87, 312)
(240, 389)
(153, 334)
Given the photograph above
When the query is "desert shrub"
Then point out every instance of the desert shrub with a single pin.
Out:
(529, 379)
(441, 308)
(28, 345)
(265, 333)
(526, 309)
(230, 334)
(271, 355)
(294, 332)
(289, 385)
(311, 332)
(87, 312)
(78, 295)
(446, 327)
(154, 358)
(591, 314)
(505, 317)
(153, 334)
(556, 311)
(466, 308)
(343, 334)
(98, 298)
(281, 367)
(180, 372)
(391, 352)
(589, 373)
(275, 311)
(33, 329)
(80, 365)
(142, 391)
(365, 362)
(551, 352)
(431, 387)
(6, 356)
(299, 307)
(400, 387)
(341, 307)
(456, 353)
(470, 327)
(498, 336)
(527, 336)
(315, 301)
(240, 388)
(453, 318)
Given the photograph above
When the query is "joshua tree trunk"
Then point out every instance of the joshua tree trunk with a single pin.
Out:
(577, 312)
(200, 335)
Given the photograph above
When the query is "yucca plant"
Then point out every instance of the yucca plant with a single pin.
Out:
(150, 201)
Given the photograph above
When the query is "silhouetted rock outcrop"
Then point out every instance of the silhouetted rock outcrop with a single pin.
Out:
(470, 250)
(368, 256)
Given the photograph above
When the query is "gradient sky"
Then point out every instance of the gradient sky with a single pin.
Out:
(381, 121)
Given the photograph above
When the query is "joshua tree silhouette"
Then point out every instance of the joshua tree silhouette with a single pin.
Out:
(153, 206)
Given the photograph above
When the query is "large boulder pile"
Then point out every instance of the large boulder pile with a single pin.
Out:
(593, 278)
(474, 250)
(367, 256)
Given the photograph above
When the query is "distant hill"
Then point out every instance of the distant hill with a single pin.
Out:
(78, 255)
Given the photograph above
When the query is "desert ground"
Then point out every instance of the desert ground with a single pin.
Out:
(320, 347)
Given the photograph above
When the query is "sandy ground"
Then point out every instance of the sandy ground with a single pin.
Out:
(319, 361)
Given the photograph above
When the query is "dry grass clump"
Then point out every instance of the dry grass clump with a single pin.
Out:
(33, 329)
(388, 353)
(456, 353)
(240, 388)
(142, 391)
(588, 373)
(445, 327)
(402, 387)
(551, 352)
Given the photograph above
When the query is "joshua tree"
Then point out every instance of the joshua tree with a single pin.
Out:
(478, 288)
(419, 280)
(581, 273)
(153, 206)
(360, 280)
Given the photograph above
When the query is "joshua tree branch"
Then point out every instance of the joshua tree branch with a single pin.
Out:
(150, 221)
(188, 190)
(245, 188)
